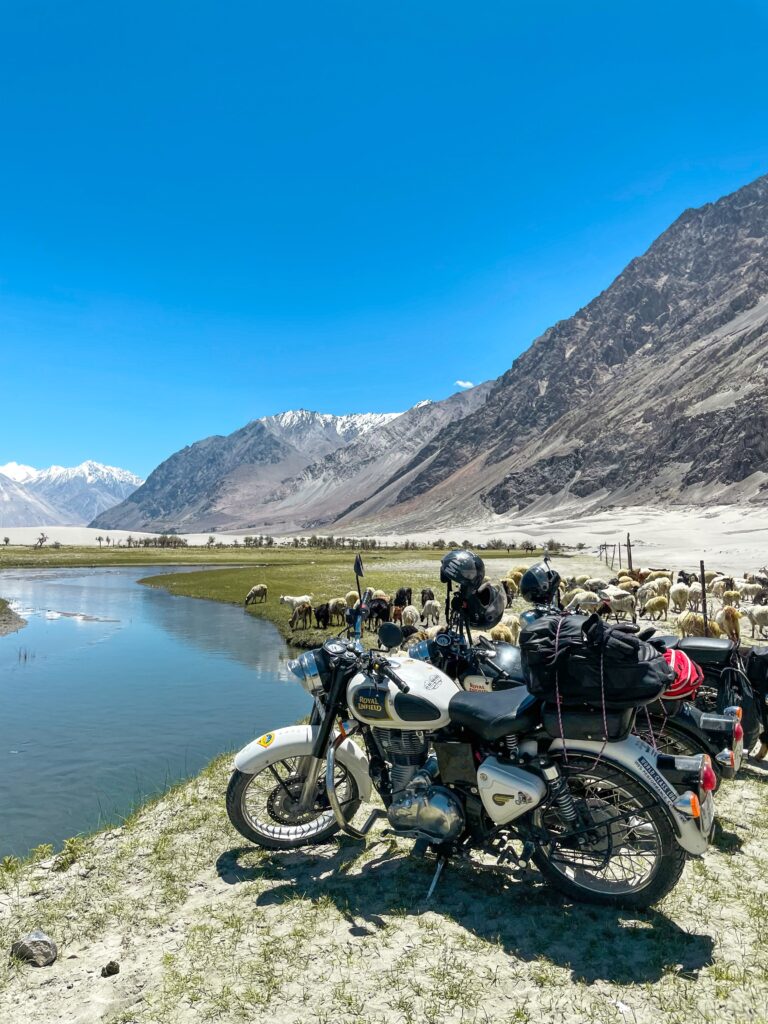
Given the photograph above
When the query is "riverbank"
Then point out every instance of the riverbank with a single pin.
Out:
(10, 621)
(206, 928)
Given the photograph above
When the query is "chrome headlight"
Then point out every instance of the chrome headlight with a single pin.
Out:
(419, 651)
(307, 670)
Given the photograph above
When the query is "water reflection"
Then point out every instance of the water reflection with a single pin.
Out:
(121, 690)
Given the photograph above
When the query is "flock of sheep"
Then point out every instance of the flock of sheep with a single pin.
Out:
(649, 594)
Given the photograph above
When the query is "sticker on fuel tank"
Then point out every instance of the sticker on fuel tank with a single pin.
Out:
(369, 702)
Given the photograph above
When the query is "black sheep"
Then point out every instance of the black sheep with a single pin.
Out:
(322, 616)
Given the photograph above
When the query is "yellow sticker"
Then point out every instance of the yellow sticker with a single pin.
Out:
(266, 739)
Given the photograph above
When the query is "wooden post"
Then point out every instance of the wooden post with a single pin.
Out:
(619, 554)
(613, 556)
(704, 598)
(629, 553)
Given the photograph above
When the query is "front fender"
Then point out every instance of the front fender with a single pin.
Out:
(639, 760)
(297, 741)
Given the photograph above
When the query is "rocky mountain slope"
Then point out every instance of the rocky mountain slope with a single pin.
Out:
(220, 482)
(655, 391)
(61, 495)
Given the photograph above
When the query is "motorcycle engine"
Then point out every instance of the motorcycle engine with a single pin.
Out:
(418, 807)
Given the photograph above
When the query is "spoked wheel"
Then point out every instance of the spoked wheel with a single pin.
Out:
(264, 807)
(668, 738)
(628, 855)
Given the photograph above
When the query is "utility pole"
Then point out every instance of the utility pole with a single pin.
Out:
(629, 553)
(704, 598)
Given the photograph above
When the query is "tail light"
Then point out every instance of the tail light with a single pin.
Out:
(707, 777)
(688, 804)
(734, 711)
(738, 731)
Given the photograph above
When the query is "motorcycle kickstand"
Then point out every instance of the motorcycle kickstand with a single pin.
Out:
(441, 862)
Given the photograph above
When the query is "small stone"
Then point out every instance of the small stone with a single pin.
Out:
(36, 948)
(113, 967)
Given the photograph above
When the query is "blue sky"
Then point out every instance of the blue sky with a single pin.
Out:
(214, 211)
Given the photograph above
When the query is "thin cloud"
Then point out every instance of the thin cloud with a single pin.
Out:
(464, 383)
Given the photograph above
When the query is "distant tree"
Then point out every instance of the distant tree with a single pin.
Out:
(269, 541)
(554, 545)
(100, 540)
(453, 544)
(211, 541)
(107, 540)
(581, 545)
(440, 543)
(496, 544)
(6, 541)
(41, 540)
(235, 543)
(56, 544)
(466, 543)
(527, 545)
(129, 540)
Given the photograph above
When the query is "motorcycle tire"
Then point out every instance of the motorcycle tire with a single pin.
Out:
(277, 826)
(605, 788)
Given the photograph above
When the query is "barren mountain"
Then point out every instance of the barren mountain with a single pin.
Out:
(655, 391)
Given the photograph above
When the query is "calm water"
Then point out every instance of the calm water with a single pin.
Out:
(115, 690)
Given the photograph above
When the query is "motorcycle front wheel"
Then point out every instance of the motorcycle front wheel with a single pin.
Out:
(629, 855)
(264, 807)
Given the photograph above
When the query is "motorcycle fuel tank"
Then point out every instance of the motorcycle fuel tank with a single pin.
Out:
(382, 704)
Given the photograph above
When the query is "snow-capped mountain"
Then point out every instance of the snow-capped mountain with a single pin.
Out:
(61, 495)
(319, 433)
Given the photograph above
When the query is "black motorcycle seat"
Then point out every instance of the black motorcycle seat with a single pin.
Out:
(493, 715)
(706, 650)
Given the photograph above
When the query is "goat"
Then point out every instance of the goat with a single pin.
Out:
(692, 624)
(403, 597)
(322, 615)
(678, 595)
(301, 612)
(337, 608)
(510, 590)
(431, 612)
(729, 620)
(427, 594)
(378, 612)
(694, 596)
(397, 614)
(619, 602)
(259, 591)
(294, 602)
(758, 616)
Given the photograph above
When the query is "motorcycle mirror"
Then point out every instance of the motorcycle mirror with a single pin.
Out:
(390, 635)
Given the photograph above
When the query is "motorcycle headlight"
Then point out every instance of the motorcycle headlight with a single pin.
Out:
(308, 671)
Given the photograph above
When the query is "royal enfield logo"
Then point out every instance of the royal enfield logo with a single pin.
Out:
(432, 682)
(659, 780)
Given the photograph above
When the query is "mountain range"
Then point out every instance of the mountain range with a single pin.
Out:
(654, 392)
(60, 495)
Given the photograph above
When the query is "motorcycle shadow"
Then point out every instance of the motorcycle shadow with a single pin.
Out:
(527, 919)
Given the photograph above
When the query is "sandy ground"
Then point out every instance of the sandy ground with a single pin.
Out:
(207, 928)
(727, 537)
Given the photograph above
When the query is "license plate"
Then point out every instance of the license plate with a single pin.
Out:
(707, 814)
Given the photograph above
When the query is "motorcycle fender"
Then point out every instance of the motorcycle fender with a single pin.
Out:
(639, 759)
(297, 741)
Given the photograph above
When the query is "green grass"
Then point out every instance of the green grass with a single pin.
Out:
(325, 574)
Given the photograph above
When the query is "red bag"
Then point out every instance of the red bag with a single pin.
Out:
(688, 676)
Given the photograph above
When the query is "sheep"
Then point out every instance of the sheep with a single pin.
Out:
(654, 605)
(694, 596)
(510, 590)
(758, 616)
(397, 614)
(584, 599)
(337, 608)
(501, 634)
(512, 622)
(732, 598)
(294, 602)
(427, 594)
(658, 574)
(378, 612)
(692, 624)
(379, 595)
(301, 612)
(630, 586)
(646, 591)
(719, 586)
(351, 598)
(729, 620)
(663, 585)
(620, 604)
(749, 590)
(686, 577)
(259, 591)
(403, 597)
(761, 597)
(413, 635)
(581, 580)
(411, 616)
(431, 612)
(678, 595)
(594, 584)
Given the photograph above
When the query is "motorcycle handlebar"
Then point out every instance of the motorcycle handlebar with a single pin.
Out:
(391, 674)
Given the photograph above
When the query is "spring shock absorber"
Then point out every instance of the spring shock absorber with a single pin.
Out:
(561, 794)
(512, 745)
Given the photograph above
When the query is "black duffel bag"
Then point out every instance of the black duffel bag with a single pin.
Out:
(584, 661)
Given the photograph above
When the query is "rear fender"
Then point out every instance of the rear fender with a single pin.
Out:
(297, 741)
(640, 761)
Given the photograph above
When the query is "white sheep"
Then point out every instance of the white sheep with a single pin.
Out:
(351, 597)
(748, 590)
(337, 607)
(594, 584)
(692, 624)
(620, 603)
(501, 634)
(512, 622)
(294, 602)
(411, 615)
(647, 591)
(431, 612)
(694, 596)
(758, 616)
(678, 595)
(259, 591)
(654, 605)
(584, 600)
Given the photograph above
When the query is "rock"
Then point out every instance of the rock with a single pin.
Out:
(36, 948)
(113, 967)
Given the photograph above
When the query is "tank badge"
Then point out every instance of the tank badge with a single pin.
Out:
(432, 682)
(266, 739)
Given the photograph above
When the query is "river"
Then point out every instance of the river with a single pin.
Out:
(113, 691)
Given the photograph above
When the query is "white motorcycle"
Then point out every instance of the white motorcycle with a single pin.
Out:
(608, 822)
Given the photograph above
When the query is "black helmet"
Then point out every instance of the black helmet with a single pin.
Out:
(539, 584)
(462, 567)
(486, 606)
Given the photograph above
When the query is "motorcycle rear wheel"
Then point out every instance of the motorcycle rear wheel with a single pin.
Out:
(632, 862)
(670, 739)
(263, 807)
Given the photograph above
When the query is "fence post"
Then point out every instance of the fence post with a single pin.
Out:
(629, 553)
(704, 598)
